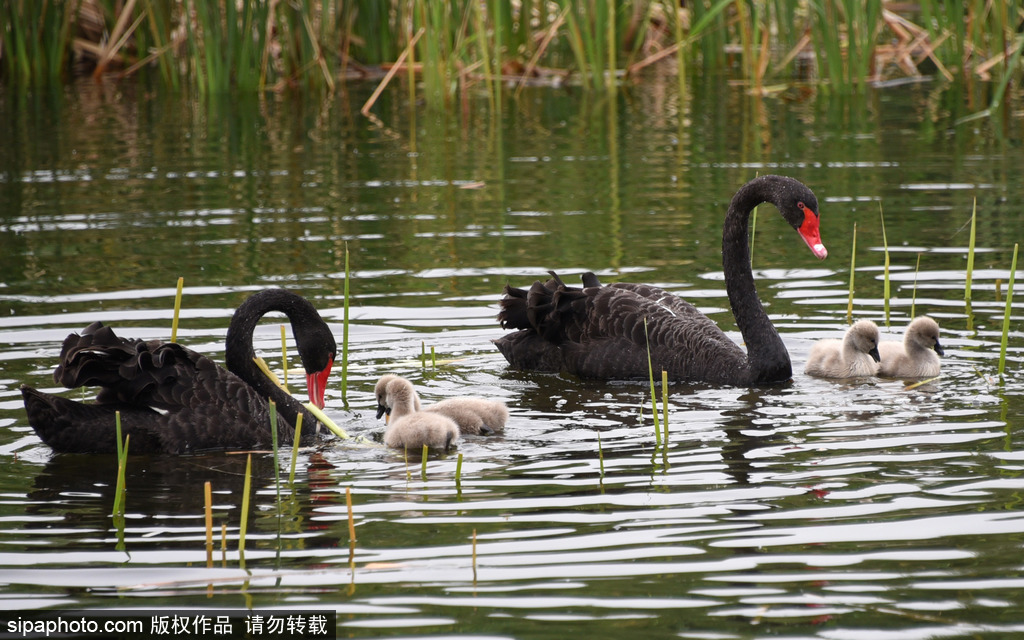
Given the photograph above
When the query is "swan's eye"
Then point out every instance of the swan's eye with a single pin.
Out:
(801, 206)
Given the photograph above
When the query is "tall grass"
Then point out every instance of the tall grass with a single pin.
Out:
(268, 45)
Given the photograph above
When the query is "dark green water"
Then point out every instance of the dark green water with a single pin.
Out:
(814, 510)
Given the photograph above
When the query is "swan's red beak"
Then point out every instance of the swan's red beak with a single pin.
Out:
(811, 234)
(316, 385)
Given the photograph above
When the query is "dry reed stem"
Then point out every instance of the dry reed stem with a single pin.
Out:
(549, 35)
(119, 36)
(208, 500)
(390, 74)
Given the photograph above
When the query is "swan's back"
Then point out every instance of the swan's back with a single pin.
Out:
(599, 332)
(917, 356)
(414, 430)
(171, 399)
(856, 355)
(473, 415)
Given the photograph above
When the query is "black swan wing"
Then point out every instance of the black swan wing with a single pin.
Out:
(600, 332)
(173, 395)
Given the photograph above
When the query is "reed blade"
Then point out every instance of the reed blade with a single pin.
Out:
(208, 513)
(853, 271)
(970, 252)
(295, 450)
(344, 334)
(654, 395)
(1006, 314)
(177, 309)
(885, 246)
(244, 525)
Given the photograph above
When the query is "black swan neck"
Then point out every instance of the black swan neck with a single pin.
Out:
(767, 357)
(240, 354)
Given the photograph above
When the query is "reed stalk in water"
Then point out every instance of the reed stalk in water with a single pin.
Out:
(295, 450)
(664, 405)
(284, 358)
(177, 310)
(853, 271)
(344, 335)
(1006, 314)
(913, 298)
(458, 472)
(474, 556)
(423, 462)
(244, 525)
(122, 463)
(208, 513)
(970, 252)
(600, 456)
(277, 466)
(654, 395)
(885, 246)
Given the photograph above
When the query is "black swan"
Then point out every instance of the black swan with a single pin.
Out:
(409, 427)
(174, 400)
(474, 416)
(598, 331)
(855, 356)
(917, 356)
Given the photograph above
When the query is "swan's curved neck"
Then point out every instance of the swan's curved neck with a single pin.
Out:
(239, 354)
(767, 357)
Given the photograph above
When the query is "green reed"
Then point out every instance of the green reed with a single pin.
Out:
(970, 252)
(654, 396)
(848, 32)
(853, 267)
(273, 444)
(244, 525)
(36, 39)
(177, 309)
(122, 462)
(295, 449)
(344, 333)
(423, 462)
(913, 298)
(886, 285)
(664, 404)
(1006, 314)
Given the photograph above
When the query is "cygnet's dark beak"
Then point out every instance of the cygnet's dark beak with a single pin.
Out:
(938, 349)
(381, 410)
(874, 354)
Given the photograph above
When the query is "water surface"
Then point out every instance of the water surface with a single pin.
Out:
(815, 509)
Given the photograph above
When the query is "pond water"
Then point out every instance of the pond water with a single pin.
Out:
(815, 509)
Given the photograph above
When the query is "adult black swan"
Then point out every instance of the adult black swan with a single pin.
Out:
(174, 400)
(598, 331)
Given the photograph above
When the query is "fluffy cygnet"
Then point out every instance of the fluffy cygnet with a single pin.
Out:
(856, 355)
(473, 416)
(917, 356)
(408, 427)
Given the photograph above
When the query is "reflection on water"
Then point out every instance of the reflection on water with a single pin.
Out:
(813, 509)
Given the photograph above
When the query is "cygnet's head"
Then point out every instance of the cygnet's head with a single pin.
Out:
(393, 391)
(863, 335)
(923, 332)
